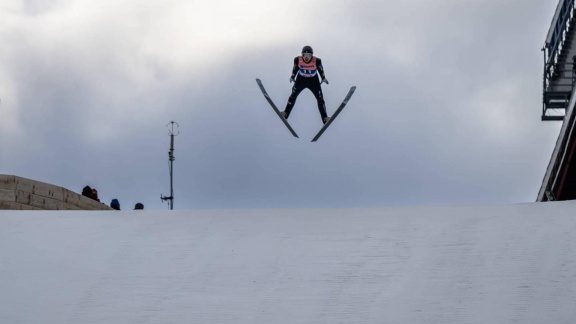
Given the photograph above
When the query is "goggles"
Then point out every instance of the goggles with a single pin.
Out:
(307, 55)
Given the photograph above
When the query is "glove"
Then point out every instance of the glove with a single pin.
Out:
(292, 79)
(325, 81)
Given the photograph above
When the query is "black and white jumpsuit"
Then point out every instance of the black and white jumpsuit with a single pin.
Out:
(306, 75)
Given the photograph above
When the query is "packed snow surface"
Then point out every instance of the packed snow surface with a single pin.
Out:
(467, 264)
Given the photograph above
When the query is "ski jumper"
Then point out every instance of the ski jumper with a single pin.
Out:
(306, 75)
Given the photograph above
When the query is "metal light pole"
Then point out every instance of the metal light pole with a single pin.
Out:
(171, 158)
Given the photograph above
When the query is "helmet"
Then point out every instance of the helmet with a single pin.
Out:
(307, 49)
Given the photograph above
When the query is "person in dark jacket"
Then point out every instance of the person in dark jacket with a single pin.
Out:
(95, 195)
(87, 192)
(139, 206)
(305, 72)
(115, 204)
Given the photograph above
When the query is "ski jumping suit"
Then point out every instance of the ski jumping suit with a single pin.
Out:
(307, 78)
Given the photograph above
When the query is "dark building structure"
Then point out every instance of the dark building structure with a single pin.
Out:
(559, 181)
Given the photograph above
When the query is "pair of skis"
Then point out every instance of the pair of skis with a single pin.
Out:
(342, 105)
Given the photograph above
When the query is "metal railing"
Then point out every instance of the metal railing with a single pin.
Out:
(559, 76)
(559, 80)
(558, 30)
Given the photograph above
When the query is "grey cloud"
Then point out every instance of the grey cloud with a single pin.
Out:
(412, 134)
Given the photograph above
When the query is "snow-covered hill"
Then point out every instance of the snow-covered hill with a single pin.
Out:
(471, 264)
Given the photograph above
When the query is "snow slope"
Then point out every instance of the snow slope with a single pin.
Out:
(471, 264)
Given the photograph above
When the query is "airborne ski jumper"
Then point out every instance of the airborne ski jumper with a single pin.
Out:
(305, 73)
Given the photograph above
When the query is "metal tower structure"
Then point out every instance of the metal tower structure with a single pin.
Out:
(559, 62)
(171, 159)
(559, 103)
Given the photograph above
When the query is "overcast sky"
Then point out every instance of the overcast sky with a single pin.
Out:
(447, 109)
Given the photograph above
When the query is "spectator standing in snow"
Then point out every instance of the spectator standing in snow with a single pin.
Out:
(87, 192)
(95, 194)
(115, 204)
